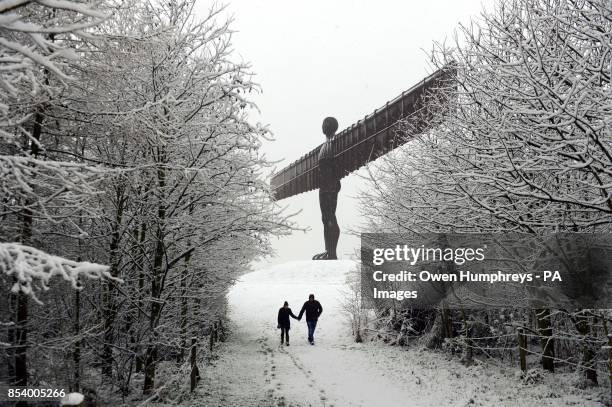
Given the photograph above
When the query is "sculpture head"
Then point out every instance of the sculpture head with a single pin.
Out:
(330, 125)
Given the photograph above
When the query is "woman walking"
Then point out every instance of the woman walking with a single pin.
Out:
(284, 322)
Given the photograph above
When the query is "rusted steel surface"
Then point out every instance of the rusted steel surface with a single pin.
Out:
(364, 141)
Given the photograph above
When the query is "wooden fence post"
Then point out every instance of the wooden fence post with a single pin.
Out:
(195, 372)
(211, 338)
(221, 331)
(522, 346)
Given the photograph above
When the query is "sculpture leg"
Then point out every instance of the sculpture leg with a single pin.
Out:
(326, 235)
(331, 232)
(333, 229)
(334, 235)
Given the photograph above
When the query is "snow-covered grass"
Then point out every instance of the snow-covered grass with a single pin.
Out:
(253, 369)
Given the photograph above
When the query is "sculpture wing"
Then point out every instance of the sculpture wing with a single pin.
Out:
(364, 141)
(301, 176)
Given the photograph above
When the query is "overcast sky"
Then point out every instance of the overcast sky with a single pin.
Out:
(338, 58)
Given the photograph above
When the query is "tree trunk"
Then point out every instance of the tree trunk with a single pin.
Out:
(522, 345)
(195, 372)
(546, 339)
(447, 323)
(150, 360)
(582, 324)
(609, 336)
(141, 284)
(110, 307)
(151, 352)
(76, 353)
(468, 351)
(20, 332)
(156, 283)
(21, 336)
(184, 306)
(10, 334)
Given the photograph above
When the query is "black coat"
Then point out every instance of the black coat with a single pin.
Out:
(313, 310)
(283, 317)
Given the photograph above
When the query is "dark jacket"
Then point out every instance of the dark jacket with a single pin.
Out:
(283, 317)
(313, 310)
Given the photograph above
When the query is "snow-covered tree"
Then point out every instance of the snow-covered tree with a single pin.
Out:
(520, 142)
(37, 43)
(186, 208)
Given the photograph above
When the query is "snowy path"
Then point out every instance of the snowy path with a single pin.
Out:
(254, 370)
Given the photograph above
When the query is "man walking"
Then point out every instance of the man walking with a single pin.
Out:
(313, 310)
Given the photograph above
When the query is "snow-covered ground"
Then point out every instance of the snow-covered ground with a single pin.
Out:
(254, 370)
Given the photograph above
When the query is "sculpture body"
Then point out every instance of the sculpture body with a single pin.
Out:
(329, 186)
(360, 143)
